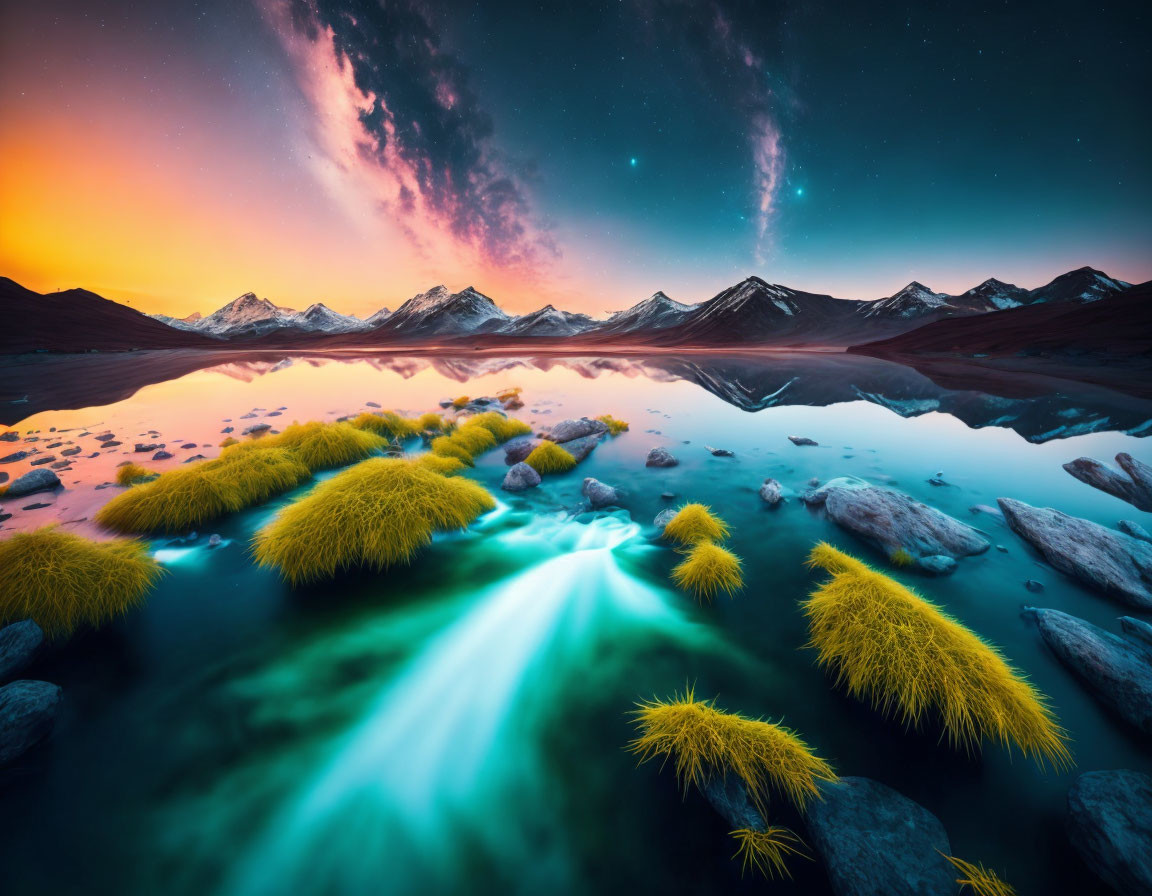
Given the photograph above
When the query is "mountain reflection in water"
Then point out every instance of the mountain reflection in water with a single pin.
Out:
(1038, 408)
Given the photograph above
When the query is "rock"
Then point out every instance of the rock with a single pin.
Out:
(214, 540)
(1034, 586)
(142, 447)
(45, 459)
(53, 445)
(15, 456)
(516, 451)
(27, 713)
(567, 430)
(71, 452)
(520, 478)
(370, 404)
(1102, 558)
(1116, 668)
(1109, 823)
(10, 436)
(273, 414)
(581, 448)
(39, 505)
(187, 445)
(660, 457)
(729, 797)
(719, 452)
(802, 441)
(61, 465)
(937, 565)
(668, 496)
(19, 644)
(256, 429)
(1133, 485)
(1135, 530)
(1137, 629)
(5, 516)
(814, 482)
(876, 842)
(31, 482)
(938, 482)
(105, 437)
(770, 492)
(195, 457)
(161, 455)
(112, 444)
(892, 521)
(226, 430)
(985, 508)
(3, 476)
(598, 494)
(663, 518)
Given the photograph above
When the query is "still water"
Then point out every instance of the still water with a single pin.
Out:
(460, 725)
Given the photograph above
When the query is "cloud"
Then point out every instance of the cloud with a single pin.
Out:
(401, 134)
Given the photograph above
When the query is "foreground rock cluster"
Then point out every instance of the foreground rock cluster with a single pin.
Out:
(28, 708)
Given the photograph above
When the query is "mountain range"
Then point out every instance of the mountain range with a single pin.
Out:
(751, 313)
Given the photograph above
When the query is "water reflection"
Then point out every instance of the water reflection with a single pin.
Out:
(1039, 408)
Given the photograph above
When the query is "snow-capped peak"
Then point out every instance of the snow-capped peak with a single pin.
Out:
(322, 318)
(913, 300)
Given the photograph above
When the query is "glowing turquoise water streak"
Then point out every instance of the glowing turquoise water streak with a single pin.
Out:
(448, 753)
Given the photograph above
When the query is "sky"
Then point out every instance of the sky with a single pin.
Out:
(175, 155)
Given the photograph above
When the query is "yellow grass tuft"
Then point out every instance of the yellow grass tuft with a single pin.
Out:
(375, 514)
(708, 570)
(322, 445)
(62, 581)
(703, 741)
(982, 881)
(695, 523)
(548, 457)
(461, 401)
(901, 557)
(445, 466)
(767, 850)
(615, 427)
(904, 654)
(502, 428)
(184, 499)
(430, 423)
(388, 424)
(229, 442)
(132, 474)
(446, 446)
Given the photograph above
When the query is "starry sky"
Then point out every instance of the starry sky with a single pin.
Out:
(174, 155)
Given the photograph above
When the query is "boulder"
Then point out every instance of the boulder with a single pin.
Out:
(142, 447)
(598, 494)
(31, 482)
(1034, 586)
(517, 450)
(581, 448)
(802, 441)
(660, 457)
(256, 429)
(728, 795)
(1128, 527)
(892, 521)
(719, 452)
(876, 842)
(14, 456)
(27, 713)
(1138, 629)
(19, 644)
(567, 430)
(520, 478)
(42, 459)
(161, 455)
(1102, 558)
(1131, 483)
(1116, 668)
(1109, 823)
(663, 518)
(770, 492)
(71, 452)
(10, 436)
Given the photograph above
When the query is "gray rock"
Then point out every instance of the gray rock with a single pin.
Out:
(14, 456)
(3, 476)
(567, 430)
(660, 457)
(1135, 530)
(663, 518)
(1102, 558)
(1034, 586)
(194, 457)
(71, 452)
(729, 797)
(802, 441)
(27, 713)
(187, 445)
(256, 429)
(770, 492)
(214, 540)
(892, 521)
(161, 455)
(668, 496)
(581, 448)
(936, 565)
(61, 465)
(105, 437)
(31, 482)
(520, 478)
(1132, 483)
(876, 842)
(719, 452)
(515, 451)
(1109, 823)
(598, 494)
(19, 644)
(1116, 668)
(10, 436)
(142, 447)
(985, 508)
(111, 444)
(226, 430)
(1137, 629)
(43, 459)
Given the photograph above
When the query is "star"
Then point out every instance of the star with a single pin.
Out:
(633, 161)
(799, 191)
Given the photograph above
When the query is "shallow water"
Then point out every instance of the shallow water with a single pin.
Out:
(460, 725)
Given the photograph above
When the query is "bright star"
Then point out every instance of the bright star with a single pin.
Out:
(799, 191)
(633, 161)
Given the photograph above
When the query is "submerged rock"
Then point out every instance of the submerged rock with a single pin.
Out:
(660, 457)
(877, 842)
(31, 482)
(1034, 586)
(771, 492)
(1117, 669)
(1135, 530)
(663, 518)
(1133, 484)
(567, 430)
(520, 478)
(27, 713)
(1102, 558)
(599, 494)
(802, 441)
(892, 521)
(1109, 823)
(582, 447)
(19, 644)
(720, 452)
(516, 451)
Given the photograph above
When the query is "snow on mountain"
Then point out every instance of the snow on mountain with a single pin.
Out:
(654, 313)
(247, 315)
(993, 295)
(548, 321)
(914, 300)
(1081, 285)
(188, 324)
(439, 312)
(374, 320)
(321, 318)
